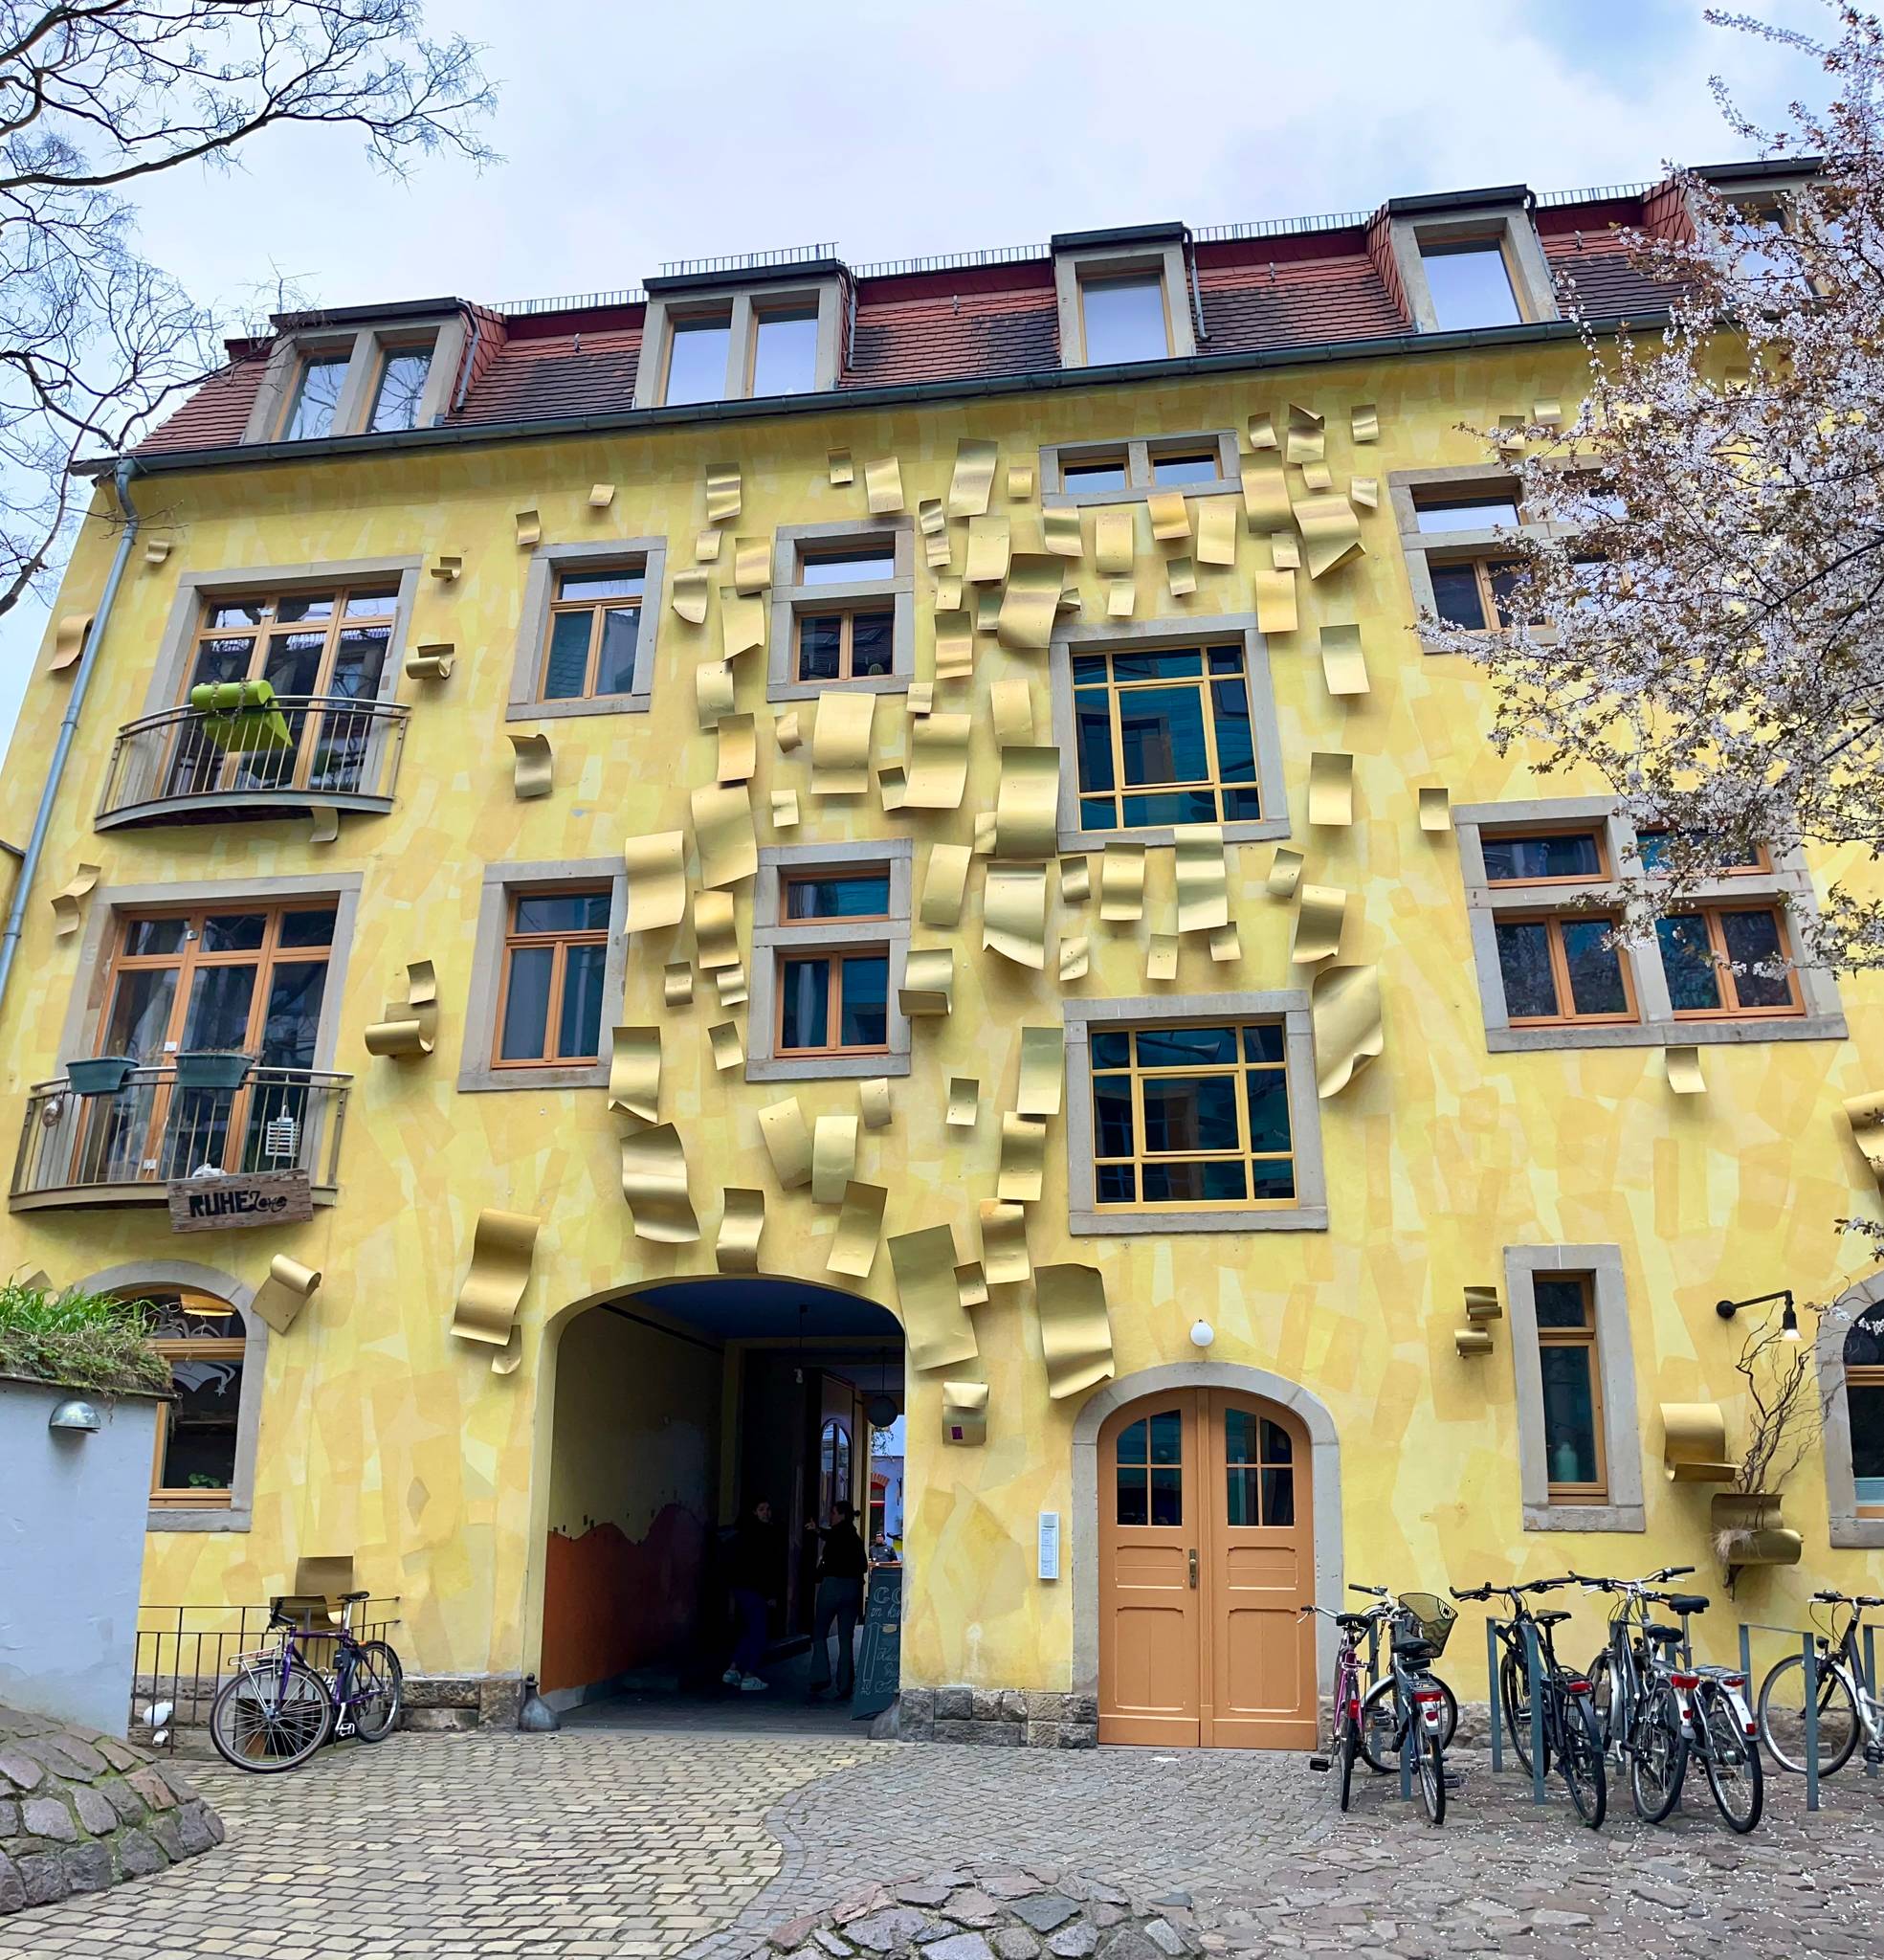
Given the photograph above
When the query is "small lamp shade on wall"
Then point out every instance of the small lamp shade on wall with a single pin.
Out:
(76, 1415)
(1201, 1333)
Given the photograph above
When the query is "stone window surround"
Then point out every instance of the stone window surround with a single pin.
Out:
(1615, 1383)
(1848, 1530)
(1789, 882)
(743, 298)
(1075, 265)
(763, 1061)
(239, 1514)
(475, 1069)
(364, 347)
(1139, 452)
(1415, 222)
(1421, 549)
(1310, 1210)
(1148, 635)
(789, 598)
(533, 626)
(195, 587)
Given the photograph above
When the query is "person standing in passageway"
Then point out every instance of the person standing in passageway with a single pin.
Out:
(842, 1563)
(755, 1563)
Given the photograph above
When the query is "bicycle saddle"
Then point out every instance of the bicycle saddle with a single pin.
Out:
(1549, 1620)
(354, 1598)
(1351, 1619)
(1415, 1650)
(1686, 1602)
(1663, 1636)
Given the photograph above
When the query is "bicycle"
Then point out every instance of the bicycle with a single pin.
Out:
(1418, 1626)
(1568, 1718)
(1380, 1711)
(278, 1708)
(1347, 1694)
(1848, 1700)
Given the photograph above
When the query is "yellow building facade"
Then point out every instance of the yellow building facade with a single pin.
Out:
(1300, 1221)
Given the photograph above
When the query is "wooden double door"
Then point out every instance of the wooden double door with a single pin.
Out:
(1205, 1558)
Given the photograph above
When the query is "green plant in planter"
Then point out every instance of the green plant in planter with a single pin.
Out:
(79, 1340)
(1777, 1362)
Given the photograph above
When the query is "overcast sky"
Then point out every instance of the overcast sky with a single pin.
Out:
(631, 135)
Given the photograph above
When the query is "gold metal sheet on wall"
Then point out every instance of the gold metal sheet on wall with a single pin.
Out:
(1307, 439)
(1076, 1328)
(972, 480)
(1330, 788)
(1170, 515)
(728, 1052)
(1121, 598)
(1113, 543)
(409, 1027)
(1285, 550)
(1004, 1259)
(712, 692)
(1043, 1066)
(922, 698)
(1161, 958)
(1363, 422)
(1181, 575)
(1076, 881)
(529, 531)
(1364, 490)
(1695, 1443)
(324, 827)
(874, 1102)
(988, 607)
(715, 930)
(938, 760)
(730, 982)
(1201, 873)
(68, 904)
(859, 1226)
(654, 1180)
(936, 1325)
(534, 772)
(955, 644)
(688, 596)
(501, 1246)
(882, 483)
(1318, 476)
(1027, 801)
(1121, 883)
(677, 983)
(432, 660)
(1074, 958)
(1216, 531)
(833, 1157)
(1331, 532)
(964, 1413)
(1344, 1003)
(840, 742)
(841, 469)
(1285, 872)
(788, 1139)
(706, 545)
(984, 833)
(1262, 431)
(723, 835)
(1683, 1063)
(928, 981)
(752, 565)
(965, 1101)
(741, 624)
(1866, 1116)
(288, 1289)
(990, 541)
(971, 1282)
(943, 883)
(1276, 600)
(1226, 947)
(722, 493)
(635, 1070)
(1030, 601)
(1343, 664)
(1014, 913)
(738, 749)
(1020, 481)
(787, 731)
(1435, 807)
(741, 1226)
(1012, 704)
(1023, 1159)
(1059, 529)
(1321, 911)
(1547, 410)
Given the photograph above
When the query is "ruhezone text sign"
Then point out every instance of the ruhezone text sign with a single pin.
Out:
(222, 1204)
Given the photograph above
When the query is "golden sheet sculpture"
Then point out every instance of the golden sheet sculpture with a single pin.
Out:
(319, 1584)
(502, 1245)
(1345, 1004)
(1076, 881)
(965, 1101)
(1330, 788)
(677, 983)
(1318, 476)
(944, 884)
(1170, 515)
(1012, 704)
(409, 1027)
(922, 698)
(1683, 1063)
(1308, 441)
(936, 1325)
(1365, 491)
(787, 731)
(654, 1180)
(706, 545)
(1363, 422)
(990, 541)
(68, 904)
(752, 565)
(1695, 1443)
(833, 1157)
(1113, 543)
(1216, 531)
(840, 742)
(1161, 958)
(715, 930)
(529, 531)
(1043, 1063)
(948, 591)
(1318, 917)
(892, 782)
(1023, 1159)
(984, 833)
(788, 1139)
(1285, 872)
(1027, 803)
(1030, 601)
(972, 480)
(1343, 663)
(1262, 431)
(1331, 532)
(722, 492)
(874, 1102)
(1121, 598)
(1226, 947)
(964, 1413)
(712, 692)
(534, 772)
(1020, 481)
(634, 1069)
(157, 549)
(431, 661)
(1075, 1329)
(723, 835)
(688, 597)
(1482, 1304)
(1060, 533)
(938, 760)
(859, 1226)
(741, 1226)
(447, 567)
(1276, 600)
(724, 1040)
(1285, 551)
(1004, 1258)
(1435, 807)
(882, 484)
(955, 644)
(323, 826)
(988, 606)
(730, 982)
(288, 1289)
(1121, 883)
(1468, 1340)
(841, 469)
(738, 749)
(656, 881)
(1866, 1116)
(741, 624)
(1075, 958)
(1181, 575)
(1548, 412)
(1201, 874)
(928, 982)
(1014, 913)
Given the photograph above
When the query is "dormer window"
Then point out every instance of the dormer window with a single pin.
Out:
(696, 353)
(342, 374)
(317, 396)
(746, 334)
(1470, 283)
(784, 350)
(1468, 261)
(1125, 296)
(1124, 320)
(404, 372)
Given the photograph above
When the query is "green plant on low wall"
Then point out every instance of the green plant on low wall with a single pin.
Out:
(77, 1340)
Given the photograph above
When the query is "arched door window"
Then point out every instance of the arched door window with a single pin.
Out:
(834, 1466)
(1864, 1398)
(202, 1339)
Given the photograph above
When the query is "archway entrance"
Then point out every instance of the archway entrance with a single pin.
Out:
(1206, 1554)
(677, 1409)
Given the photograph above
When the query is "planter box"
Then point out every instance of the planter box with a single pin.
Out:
(72, 1553)
(99, 1075)
(1748, 1531)
(213, 1069)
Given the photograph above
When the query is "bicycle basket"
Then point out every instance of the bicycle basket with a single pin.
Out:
(1436, 1617)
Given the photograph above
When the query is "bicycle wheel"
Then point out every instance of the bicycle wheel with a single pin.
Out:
(1658, 1755)
(1602, 1698)
(1782, 1717)
(1449, 1727)
(1515, 1697)
(1732, 1759)
(1382, 1728)
(1580, 1756)
(265, 1721)
(379, 1686)
(1347, 1747)
(1429, 1773)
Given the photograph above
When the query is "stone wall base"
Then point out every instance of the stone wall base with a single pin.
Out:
(1001, 1718)
(461, 1701)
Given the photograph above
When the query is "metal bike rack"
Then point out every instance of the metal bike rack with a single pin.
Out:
(1871, 1765)
(1808, 1648)
(1534, 1667)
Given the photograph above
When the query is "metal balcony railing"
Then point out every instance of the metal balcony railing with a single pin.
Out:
(298, 753)
(126, 1146)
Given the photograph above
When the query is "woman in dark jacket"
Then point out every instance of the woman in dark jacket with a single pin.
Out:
(841, 1565)
(754, 1560)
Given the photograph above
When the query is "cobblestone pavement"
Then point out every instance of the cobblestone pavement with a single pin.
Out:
(625, 1843)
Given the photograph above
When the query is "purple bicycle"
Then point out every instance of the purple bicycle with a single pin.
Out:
(278, 1708)
(1350, 1686)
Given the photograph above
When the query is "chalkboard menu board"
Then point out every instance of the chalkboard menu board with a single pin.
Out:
(879, 1665)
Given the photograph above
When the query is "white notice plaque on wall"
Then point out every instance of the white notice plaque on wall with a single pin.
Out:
(1050, 1545)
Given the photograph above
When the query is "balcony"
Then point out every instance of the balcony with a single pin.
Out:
(127, 1145)
(288, 754)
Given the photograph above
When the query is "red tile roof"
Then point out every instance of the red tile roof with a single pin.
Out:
(1295, 303)
(542, 380)
(952, 337)
(216, 413)
(1597, 268)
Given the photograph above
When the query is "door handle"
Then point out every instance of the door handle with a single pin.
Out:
(1193, 1568)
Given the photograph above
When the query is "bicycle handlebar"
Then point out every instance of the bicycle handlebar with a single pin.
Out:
(1371, 1591)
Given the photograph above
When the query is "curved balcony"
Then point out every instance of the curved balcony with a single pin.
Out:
(126, 1146)
(295, 754)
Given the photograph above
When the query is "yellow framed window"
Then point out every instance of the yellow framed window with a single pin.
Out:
(595, 625)
(1701, 950)
(1559, 968)
(555, 955)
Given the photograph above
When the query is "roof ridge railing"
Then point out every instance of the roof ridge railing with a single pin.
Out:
(573, 302)
(748, 262)
(1594, 193)
(1280, 228)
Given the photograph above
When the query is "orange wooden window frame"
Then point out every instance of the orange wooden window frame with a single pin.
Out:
(1484, 569)
(1584, 1337)
(270, 625)
(1202, 453)
(1521, 833)
(848, 612)
(1761, 867)
(597, 609)
(1095, 459)
(1727, 981)
(1560, 972)
(833, 958)
(559, 944)
(1866, 1374)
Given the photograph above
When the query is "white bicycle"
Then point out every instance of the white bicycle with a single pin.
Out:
(1849, 1711)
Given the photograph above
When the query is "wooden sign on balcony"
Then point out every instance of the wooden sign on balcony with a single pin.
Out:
(223, 1204)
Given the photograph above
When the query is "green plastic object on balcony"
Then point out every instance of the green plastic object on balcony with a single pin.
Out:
(212, 1068)
(241, 715)
(99, 1075)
